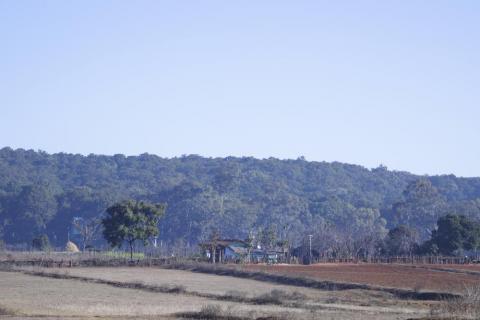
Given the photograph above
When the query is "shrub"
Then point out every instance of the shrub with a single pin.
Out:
(41, 243)
(466, 306)
(6, 312)
(235, 295)
(211, 311)
(277, 296)
(176, 289)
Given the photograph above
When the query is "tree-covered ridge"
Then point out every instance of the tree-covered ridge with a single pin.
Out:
(42, 193)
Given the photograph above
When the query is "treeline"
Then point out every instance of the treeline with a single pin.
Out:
(454, 235)
(41, 194)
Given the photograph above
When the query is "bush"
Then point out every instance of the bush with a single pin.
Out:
(235, 295)
(278, 297)
(211, 311)
(6, 311)
(41, 243)
(175, 289)
(467, 306)
(216, 312)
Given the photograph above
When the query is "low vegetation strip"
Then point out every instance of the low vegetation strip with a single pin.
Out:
(6, 311)
(79, 261)
(448, 269)
(308, 282)
(216, 312)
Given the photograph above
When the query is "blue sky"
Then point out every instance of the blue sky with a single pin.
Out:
(365, 82)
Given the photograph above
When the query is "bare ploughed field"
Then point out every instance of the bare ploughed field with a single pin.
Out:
(134, 292)
(443, 278)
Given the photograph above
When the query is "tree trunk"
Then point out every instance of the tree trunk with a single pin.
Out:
(131, 250)
(222, 209)
(85, 236)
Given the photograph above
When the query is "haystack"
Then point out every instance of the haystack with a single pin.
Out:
(71, 247)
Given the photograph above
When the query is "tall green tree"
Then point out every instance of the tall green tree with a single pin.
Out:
(401, 240)
(131, 220)
(41, 243)
(268, 237)
(81, 202)
(456, 233)
(30, 212)
(420, 208)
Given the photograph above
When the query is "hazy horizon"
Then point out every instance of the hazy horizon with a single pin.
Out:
(359, 82)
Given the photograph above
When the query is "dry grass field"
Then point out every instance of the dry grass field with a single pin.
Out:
(33, 296)
(221, 286)
(414, 277)
(37, 296)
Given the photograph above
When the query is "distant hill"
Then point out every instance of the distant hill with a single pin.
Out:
(40, 193)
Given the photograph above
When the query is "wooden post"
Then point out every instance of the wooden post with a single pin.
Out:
(213, 253)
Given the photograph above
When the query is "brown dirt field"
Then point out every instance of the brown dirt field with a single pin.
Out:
(385, 275)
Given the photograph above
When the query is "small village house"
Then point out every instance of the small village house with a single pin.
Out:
(238, 251)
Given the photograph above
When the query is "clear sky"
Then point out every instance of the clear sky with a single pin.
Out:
(364, 82)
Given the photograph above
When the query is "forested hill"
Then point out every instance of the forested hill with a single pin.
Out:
(40, 193)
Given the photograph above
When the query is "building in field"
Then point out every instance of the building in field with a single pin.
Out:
(238, 251)
(225, 250)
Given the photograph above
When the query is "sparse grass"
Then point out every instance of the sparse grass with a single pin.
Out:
(235, 295)
(30, 296)
(217, 312)
(332, 300)
(58, 294)
(124, 255)
(419, 286)
(275, 296)
(465, 307)
(163, 288)
(4, 311)
(230, 287)
(220, 288)
(279, 297)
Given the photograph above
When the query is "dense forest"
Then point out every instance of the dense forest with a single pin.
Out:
(41, 194)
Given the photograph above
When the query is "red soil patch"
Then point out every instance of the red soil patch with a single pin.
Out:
(418, 277)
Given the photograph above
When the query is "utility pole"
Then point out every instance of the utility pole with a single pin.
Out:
(310, 248)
